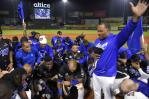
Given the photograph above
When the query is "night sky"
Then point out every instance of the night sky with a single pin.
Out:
(113, 8)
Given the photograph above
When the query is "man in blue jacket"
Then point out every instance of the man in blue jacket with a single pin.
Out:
(105, 67)
(26, 55)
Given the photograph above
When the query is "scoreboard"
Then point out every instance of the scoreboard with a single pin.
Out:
(41, 10)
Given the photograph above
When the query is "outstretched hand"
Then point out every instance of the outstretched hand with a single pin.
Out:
(140, 8)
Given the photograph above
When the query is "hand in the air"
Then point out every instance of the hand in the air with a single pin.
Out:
(140, 8)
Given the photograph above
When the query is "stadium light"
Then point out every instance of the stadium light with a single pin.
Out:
(65, 1)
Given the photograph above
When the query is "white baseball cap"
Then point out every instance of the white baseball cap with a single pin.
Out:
(42, 40)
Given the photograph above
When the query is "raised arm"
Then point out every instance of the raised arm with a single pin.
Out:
(137, 11)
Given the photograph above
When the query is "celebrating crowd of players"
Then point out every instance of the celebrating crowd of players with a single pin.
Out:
(31, 68)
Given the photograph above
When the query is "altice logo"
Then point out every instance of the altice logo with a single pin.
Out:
(42, 5)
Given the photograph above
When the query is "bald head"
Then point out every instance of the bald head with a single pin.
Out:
(72, 64)
(28, 69)
(128, 85)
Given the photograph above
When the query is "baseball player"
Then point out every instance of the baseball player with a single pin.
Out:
(71, 78)
(43, 48)
(26, 55)
(133, 85)
(105, 68)
(57, 37)
(6, 54)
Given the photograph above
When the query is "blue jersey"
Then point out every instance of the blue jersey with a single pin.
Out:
(126, 50)
(34, 41)
(60, 49)
(55, 39)
(132, 72)
(17, 47)
(143, 87)
(26, 58)
(47, 50)
(84, 49)
(68, 44)
(106, 65)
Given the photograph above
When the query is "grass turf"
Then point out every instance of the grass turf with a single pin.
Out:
(17, 32)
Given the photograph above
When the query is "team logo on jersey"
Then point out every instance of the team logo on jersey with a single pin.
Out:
(103, 46)
(4, 52)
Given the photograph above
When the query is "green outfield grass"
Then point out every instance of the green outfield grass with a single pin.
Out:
(17, 32)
